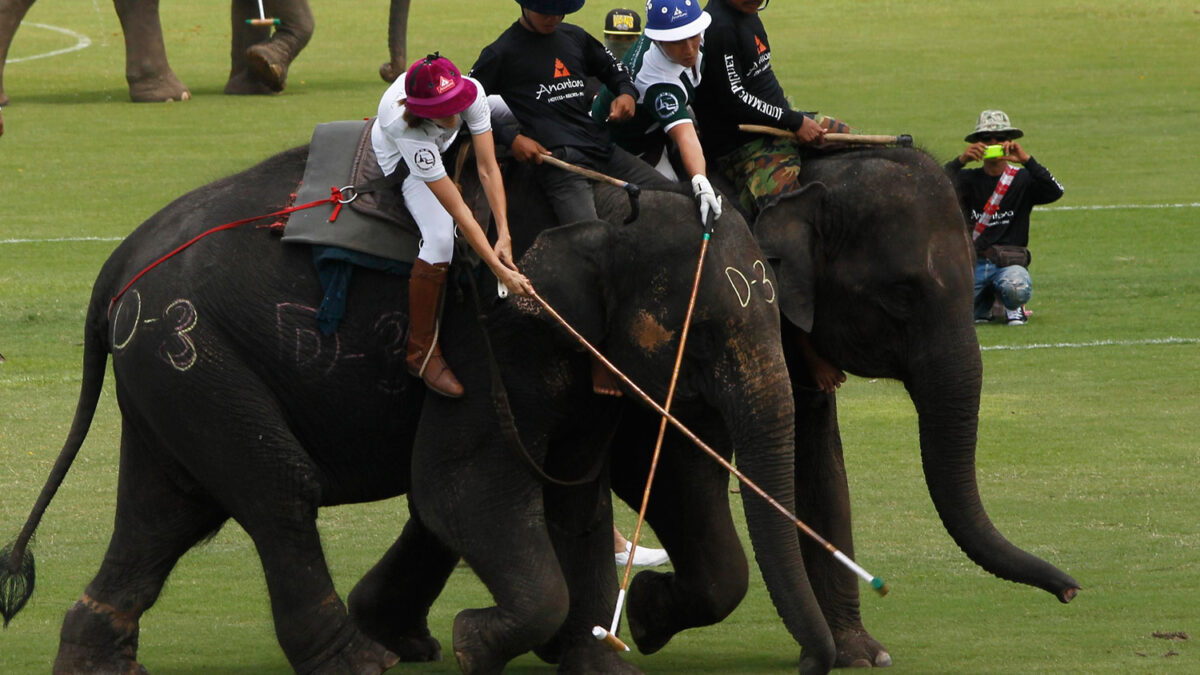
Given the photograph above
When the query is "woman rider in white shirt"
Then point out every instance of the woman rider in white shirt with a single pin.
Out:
(419, 117)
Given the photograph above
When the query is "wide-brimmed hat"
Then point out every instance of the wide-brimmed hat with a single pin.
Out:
(622, 22)
(434, 88)
(552, 7)
(994, 123)
(670, 20)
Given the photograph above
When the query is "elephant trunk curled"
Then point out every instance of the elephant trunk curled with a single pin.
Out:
(947, 395)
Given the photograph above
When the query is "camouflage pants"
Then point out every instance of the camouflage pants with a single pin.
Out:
(768, 167)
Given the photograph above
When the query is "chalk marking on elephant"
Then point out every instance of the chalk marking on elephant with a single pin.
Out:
(133, 297)
(877, 583)
(82, 42)
(183, 358)
(745, 299)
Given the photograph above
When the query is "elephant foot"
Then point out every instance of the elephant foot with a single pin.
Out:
(472, 649)
(857, 649)
(245, 83)
(88, 659)
(650, 618)
(361, 656)
(389, 72)
(270, 63)
(157, 89)
(594, 657)
(3, 99)
(97, 638)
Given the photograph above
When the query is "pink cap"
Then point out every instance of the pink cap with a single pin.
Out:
(435, 88)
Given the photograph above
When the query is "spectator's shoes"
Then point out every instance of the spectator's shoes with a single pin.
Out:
(1016, 317)
(643, 557)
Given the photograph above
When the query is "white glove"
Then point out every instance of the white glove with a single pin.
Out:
(706, 197)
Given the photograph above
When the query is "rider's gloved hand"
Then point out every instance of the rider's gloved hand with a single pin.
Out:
(706, 197)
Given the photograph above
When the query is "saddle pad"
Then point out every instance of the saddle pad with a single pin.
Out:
(331, 157)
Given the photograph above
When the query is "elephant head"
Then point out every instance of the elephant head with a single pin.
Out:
(880, 249)
(732, 367)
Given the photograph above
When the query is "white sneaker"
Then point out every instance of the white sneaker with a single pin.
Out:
(643, 557)
(1016, 317)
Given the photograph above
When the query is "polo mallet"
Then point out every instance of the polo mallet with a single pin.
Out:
(262, 19)
(610, 636)
(630, 188)
(903, 140)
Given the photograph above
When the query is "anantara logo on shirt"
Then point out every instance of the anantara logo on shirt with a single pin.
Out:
(444, 84)
(560, 69)
(759, 44)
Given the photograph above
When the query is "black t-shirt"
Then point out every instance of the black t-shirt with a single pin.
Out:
(543, 79)
(1009, 226)
(738, 85)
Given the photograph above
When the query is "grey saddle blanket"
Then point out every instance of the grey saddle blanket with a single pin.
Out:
(376, 223)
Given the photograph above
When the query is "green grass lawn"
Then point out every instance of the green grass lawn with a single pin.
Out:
(1090, 420)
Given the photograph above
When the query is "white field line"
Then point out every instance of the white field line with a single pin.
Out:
(1096, 343)
(1107, 207)
(81, 42)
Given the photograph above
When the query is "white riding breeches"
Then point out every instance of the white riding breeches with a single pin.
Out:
(434, 221)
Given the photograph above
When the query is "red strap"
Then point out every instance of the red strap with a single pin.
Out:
(291, 209)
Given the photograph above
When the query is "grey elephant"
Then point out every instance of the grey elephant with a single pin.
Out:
(235, 406)
(874, 261)
(259, 57)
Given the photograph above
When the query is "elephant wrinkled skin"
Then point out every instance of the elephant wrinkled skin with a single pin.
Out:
(235, 406)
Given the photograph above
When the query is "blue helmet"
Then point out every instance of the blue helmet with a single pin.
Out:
(670, 20)
(551, 7)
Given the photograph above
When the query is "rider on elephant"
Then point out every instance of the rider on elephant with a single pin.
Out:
(666, 66)
(741, 89)
(539, 67)
(419, 118)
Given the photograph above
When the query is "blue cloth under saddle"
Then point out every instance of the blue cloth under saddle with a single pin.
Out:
(334, 267)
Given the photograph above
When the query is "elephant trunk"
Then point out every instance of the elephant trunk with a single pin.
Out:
(946, 393)
(761, 421)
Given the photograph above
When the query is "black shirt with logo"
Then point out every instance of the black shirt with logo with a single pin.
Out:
(542, 78)
(738, 85)
(1033, 184)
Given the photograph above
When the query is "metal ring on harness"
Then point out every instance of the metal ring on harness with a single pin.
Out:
(353, 194)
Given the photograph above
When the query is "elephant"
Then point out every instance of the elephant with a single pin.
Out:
(874, 263)
(234, 406)
(259, 59)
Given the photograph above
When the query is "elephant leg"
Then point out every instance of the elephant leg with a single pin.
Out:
(156, 523)
(11, 13)
(480, 501)
(397, 41)
(242, 80)
(390, 604)
(579, 520)
(823, 502)
(270, 60)
(689, 511)
(146, 68)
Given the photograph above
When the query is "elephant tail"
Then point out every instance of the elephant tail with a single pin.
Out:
(17, 570)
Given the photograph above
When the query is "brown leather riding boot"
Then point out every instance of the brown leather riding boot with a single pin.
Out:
(425, 360)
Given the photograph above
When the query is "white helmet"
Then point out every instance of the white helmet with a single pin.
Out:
(671, 20)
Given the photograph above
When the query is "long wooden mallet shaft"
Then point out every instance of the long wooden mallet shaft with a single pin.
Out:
(875, 582)
(631, 188)
(861, 139)
(662, 430)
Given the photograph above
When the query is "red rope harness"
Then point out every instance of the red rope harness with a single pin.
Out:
(335, 198)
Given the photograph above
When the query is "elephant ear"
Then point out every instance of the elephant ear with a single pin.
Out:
(785, 231)
(567, 266)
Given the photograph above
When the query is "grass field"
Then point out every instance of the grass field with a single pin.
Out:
(1090, 425)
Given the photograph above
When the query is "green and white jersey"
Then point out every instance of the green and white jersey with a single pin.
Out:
(665, 89)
